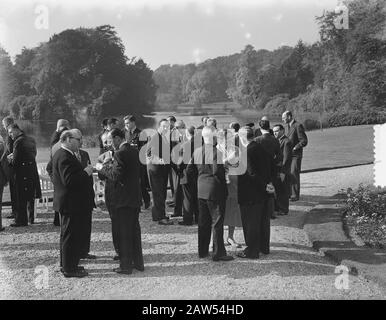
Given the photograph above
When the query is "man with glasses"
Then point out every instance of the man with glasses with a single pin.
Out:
(73, 199)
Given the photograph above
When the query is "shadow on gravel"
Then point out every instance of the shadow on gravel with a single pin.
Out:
(347, 250)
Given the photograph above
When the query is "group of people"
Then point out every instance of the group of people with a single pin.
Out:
(238, 177)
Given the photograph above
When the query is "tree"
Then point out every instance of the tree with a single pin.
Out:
(8, 80)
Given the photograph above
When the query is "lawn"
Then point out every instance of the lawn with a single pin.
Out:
(331, 147)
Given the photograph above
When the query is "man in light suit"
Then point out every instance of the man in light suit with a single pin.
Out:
(73, 200)
(212, 193)
(296, 134)
(125, 175)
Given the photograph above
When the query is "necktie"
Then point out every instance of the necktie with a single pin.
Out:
(77, 155)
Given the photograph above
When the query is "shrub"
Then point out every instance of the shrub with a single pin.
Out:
(366, 212)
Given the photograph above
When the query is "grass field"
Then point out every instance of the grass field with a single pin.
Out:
(328, 148)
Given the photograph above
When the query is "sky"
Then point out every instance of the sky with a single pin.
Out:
(167, 31)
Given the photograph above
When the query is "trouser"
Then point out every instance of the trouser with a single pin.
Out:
(211, 219)
(129, 237)
(13, 193)
(56, 218)
(114, 226)
(296, 165)
(190, 202)
(70, 239)
(86, 222)
(178, 194)
(144, 184)
(1, 205)
(171, 182)
(283, 189)
(158, 179)
(256, 227)
(24, 205)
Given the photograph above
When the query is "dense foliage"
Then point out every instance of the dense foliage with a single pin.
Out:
(76, 74)
(366, 213)
(344, 71)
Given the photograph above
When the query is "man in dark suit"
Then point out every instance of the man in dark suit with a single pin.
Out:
(158, 167)
(272, 147)
(125, 173)
(212, 194)
(27, 181)
(73, 199)
(254, 188)
(177, 138)
(173, 136)
(188, 182)
(258, 131)
(296, 134)
(282, 181)
(8, 150)
(84, 159)
(4, 177)
(61, 126)
(132, 134)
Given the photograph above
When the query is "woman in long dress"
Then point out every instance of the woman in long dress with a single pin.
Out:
(228, 145)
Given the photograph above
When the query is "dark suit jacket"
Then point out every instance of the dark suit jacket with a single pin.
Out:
(125, 174)
(252, 184)
(24, 166)
(85, 160)
(187, 150)
(71, 183)
(272, 147)
(211, 173)
(298, 138)
(286, 149)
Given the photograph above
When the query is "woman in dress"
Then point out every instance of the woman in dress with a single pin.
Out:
(227, 142)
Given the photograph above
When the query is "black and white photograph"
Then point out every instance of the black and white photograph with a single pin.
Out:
(214, 151)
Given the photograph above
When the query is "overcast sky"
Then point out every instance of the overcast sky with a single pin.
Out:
(167, 31)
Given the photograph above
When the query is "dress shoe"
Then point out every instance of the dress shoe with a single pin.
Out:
(116, 258)
(223, 258)
(175, 215)
(243, 255)
(183, 223)
(75, 274)
(78, 268)
(165, 222)
(18, 225)
(89, 256)
(294, 199)
(139, 267)
(201, 256)
(273, 217)
(123, 271)
(233, 243)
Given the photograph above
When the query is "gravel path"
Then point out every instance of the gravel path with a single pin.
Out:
(173, 270)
